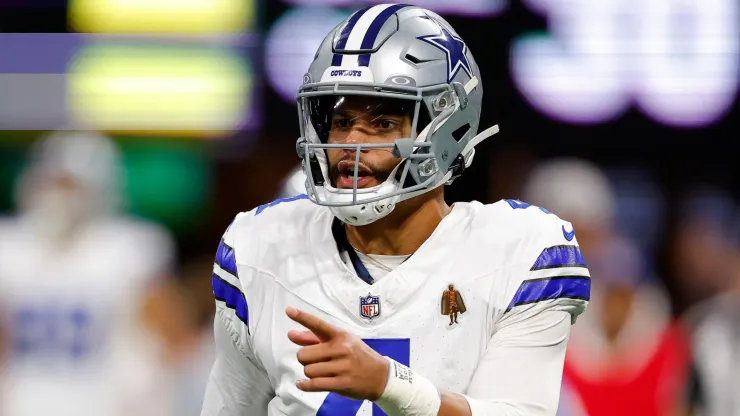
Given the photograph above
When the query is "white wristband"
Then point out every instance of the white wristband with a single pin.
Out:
(407, 393)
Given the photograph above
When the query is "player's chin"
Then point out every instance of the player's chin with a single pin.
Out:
(343, 181)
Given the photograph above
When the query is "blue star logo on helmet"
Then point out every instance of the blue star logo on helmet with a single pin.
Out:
(454, 48)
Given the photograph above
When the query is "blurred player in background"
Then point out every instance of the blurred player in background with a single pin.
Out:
(328, 303)
(627, 356)
(74, 273)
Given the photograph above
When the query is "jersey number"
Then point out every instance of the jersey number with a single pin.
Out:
(58, 332)
(398, 349)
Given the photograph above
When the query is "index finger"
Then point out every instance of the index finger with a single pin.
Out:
(319, 327)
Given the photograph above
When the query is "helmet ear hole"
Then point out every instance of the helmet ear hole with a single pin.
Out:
(460, 132)
(424, 119)
(362, 209)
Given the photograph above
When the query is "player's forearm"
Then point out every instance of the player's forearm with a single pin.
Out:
(454, 404)
(409, 393)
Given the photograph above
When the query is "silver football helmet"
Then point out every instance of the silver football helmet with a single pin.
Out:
(415, 61)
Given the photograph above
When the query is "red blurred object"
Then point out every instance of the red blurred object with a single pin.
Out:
(655, 387)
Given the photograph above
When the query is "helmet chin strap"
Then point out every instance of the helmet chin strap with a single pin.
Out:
(469, 149)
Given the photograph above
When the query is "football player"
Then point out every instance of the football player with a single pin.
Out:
(329, 302)
(73, 271)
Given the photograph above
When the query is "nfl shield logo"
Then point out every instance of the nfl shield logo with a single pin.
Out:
(370, 306)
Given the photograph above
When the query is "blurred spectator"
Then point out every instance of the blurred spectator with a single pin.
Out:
(713, 263)
(699, 246)
(626, 356)
(74, 272)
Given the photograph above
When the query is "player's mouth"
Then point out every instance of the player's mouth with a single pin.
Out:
(346, 175)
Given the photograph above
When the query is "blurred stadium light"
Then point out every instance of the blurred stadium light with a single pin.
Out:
(32, 79)
(155, 89)
(600, 57)
(161, 16)
(292, 43)
(475, 8)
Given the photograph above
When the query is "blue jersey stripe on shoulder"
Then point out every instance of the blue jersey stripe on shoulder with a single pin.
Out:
(517, 204)
(232, 296)
(279, 200)
(368, 41)
(559, 256)
(536, 290)
(226, 259)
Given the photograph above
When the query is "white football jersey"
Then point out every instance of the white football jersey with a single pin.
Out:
(503, 259)
(73, 346)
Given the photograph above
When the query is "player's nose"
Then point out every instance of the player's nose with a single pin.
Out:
(356, 136)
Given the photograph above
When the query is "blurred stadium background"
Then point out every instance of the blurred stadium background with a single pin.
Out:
(619, 115)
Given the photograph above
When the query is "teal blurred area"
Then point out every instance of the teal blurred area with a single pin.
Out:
(166, 180)
(169, 181)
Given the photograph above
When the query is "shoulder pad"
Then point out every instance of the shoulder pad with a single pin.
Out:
(547, 268)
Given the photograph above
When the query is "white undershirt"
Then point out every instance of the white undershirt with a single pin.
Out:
(379, 268)
(375, 269)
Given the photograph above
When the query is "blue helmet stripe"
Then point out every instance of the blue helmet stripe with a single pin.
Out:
(372, 32)
(342, 41)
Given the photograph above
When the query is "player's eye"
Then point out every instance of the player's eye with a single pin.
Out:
(340, 123)
(386, 124)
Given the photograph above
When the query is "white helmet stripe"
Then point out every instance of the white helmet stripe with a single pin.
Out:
(354, 41)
